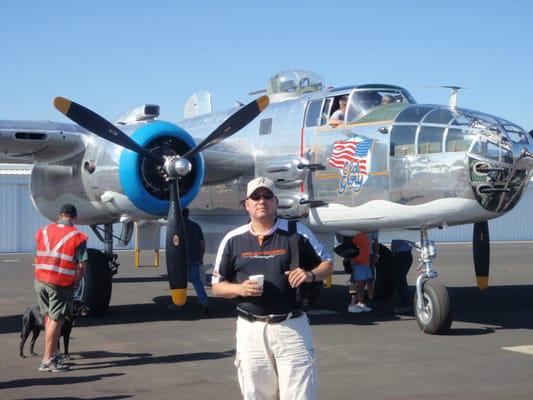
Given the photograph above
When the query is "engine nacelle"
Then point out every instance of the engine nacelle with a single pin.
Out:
(108, 183)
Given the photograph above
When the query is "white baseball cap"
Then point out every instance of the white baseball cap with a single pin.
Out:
(260, 182)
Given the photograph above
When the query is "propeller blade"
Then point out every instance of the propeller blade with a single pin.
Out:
(235, 122)
(481, 250)
(176, 248)
(101, 127)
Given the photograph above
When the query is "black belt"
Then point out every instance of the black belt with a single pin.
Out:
(269, 319)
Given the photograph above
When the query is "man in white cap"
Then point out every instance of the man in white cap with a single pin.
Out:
(275, 355)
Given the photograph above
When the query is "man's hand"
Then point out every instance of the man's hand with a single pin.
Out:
(298, 276)
(250, 288)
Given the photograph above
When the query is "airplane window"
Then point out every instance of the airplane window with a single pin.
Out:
(402, 140)
(439, 116)
(413, 114)
(265, 126)
(457, 140)
(312, 117)
(430, 139)
(516, 134)
(493, 151)
(463, 120)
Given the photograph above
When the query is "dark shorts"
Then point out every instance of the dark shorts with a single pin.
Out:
(56, 301)
(362, 273)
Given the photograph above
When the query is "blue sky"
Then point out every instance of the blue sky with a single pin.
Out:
(113, 55)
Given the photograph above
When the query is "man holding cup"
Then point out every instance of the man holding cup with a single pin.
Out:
(275, 355)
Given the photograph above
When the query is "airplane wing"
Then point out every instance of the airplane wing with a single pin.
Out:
(35, 141)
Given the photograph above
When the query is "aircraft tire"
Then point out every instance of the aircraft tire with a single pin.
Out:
(436, 317)
(94, 290)
(384, 283)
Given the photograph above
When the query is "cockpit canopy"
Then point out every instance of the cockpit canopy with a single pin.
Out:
(292, 83)
(365, 99)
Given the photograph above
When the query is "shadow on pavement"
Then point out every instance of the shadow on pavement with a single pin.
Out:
(118, 397)
(144, 359)
(501, 307)
(53, 379)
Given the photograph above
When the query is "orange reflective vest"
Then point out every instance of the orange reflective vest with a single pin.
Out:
(55, 252)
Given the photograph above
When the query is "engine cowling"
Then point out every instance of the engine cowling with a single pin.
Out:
(141, 178)
(108, 183)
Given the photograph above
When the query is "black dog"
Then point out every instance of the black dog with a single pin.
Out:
(33, 321)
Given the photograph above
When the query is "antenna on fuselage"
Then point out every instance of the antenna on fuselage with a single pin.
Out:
(453, 95)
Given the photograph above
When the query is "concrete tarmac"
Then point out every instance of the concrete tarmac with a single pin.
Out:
(141, 350)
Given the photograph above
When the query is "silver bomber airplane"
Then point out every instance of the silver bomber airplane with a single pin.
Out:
(387, 164)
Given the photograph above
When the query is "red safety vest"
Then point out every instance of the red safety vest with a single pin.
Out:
(55, 251)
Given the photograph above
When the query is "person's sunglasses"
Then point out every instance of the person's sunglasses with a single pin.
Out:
(257, 196)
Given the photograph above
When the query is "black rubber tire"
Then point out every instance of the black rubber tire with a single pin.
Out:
(384, 282)
(94, 290)
(436, 316)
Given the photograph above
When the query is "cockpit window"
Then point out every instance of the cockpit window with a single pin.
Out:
(313, 114)
(363, 101)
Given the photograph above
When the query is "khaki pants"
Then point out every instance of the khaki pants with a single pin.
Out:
(276, 361)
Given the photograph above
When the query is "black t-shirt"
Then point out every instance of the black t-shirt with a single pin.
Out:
(240, 255)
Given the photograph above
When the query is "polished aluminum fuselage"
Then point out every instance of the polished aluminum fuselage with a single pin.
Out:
(411, 191)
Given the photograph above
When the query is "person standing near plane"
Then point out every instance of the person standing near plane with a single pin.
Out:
(275, 355)
(60, 262)
(362, 274)
(195, 252)
(402, 257)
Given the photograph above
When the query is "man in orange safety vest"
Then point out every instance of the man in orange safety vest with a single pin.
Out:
(60, 261)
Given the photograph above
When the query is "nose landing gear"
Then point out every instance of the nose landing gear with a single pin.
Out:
(432, 303)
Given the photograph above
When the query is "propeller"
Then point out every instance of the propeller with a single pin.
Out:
(174, 167)
(481, 250)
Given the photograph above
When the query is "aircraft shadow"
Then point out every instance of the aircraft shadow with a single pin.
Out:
(127, 360)
(126, 396)
(140, 279)
(55, 381)
(498, 307)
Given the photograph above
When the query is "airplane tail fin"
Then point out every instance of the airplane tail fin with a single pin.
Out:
(199, 103)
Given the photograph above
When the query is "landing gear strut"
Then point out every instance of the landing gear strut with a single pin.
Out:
(431, 303)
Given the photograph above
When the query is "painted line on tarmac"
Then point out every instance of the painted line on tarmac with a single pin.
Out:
(10, 260)
(520, 349)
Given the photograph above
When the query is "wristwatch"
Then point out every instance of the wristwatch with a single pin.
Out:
(313, 276)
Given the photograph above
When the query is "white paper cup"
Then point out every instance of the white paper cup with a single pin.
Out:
(260, 279)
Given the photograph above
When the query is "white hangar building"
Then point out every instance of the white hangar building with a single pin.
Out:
(20, 219)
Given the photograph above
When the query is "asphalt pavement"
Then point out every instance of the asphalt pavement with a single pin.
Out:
(142, 350)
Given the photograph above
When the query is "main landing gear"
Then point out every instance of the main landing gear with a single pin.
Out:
(432, 303)
(94, 289)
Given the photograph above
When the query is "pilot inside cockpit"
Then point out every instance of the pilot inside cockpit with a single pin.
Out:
(386, 99)
(337, 118)
(368, 99)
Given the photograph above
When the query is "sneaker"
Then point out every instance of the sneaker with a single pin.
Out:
(53, 365)
(354, 308)
(363, 307)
